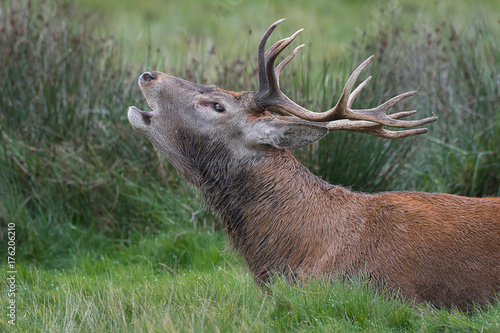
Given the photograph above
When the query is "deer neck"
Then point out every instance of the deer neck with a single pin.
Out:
(267, 199)
(257, 184)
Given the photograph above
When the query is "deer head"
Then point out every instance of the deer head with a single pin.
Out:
(190, 121)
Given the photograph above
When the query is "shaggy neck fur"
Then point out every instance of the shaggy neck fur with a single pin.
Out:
(272, 222)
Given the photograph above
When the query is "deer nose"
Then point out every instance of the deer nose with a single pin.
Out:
(147, 77)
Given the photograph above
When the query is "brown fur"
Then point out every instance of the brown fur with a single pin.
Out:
(439, 248)
(235, 94)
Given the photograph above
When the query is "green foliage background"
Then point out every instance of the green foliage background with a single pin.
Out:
(108, 238)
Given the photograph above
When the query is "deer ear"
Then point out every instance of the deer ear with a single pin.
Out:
(289, 133)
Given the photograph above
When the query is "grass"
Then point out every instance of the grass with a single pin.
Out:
(108, 238)
(141, 296)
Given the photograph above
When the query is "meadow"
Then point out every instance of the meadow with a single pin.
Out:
(109, 239)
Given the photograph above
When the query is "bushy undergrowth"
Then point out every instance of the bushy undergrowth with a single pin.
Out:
(71, 167)
(85, 192)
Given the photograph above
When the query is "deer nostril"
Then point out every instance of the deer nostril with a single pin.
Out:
(147, 77)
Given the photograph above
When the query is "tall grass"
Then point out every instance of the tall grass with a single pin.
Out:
(109, 239)
(72, 171)
(457, 76)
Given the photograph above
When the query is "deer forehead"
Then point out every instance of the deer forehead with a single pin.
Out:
(179, 87)
(165, 88)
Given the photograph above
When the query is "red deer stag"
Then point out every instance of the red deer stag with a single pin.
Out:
(233, 146)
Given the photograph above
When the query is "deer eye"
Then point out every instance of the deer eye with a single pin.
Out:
(217, 107)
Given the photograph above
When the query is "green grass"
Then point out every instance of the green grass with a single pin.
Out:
(108, 238)
(109, 294)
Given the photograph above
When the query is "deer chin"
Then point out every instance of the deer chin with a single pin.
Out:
(140, 120)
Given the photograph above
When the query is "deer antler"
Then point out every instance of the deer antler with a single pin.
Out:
(341, 116)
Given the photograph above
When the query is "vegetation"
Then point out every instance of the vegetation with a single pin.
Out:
(108, 238)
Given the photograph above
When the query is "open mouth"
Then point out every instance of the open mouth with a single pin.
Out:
(146, 77)
(146, 115)
(139, 119)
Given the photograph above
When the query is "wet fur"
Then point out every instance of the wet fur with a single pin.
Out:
(439, 248)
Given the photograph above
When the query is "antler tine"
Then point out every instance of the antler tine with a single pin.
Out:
(261, 58)
(343, 103)
(280, 45)
(356, 91)
(272, 48)
(285, 61)
(378, 114)
(271, 56)
(369, 127)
